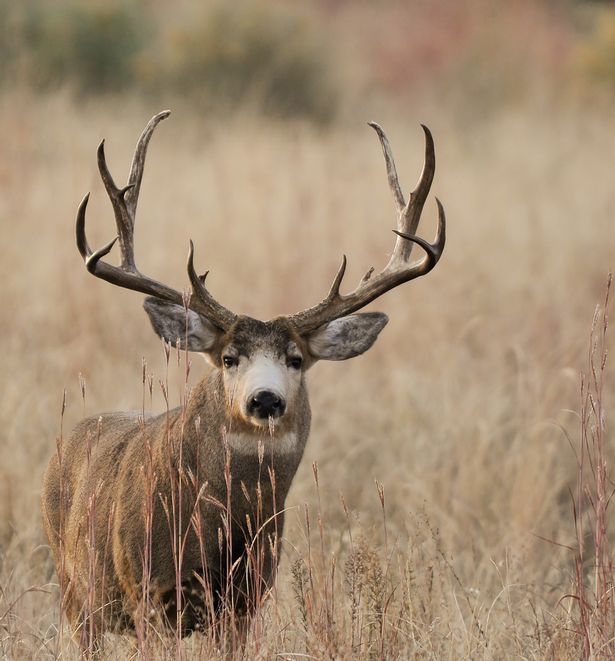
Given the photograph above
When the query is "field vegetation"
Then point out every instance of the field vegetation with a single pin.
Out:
(453, 502)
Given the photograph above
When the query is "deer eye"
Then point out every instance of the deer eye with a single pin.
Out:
(295, 362)
(229, 361)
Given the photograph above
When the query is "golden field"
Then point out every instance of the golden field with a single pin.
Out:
(464, 410)
(466, 414)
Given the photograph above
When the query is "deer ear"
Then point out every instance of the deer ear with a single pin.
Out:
(346, 337)
(179, 327)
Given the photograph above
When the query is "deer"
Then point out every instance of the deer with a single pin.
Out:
(181, 515)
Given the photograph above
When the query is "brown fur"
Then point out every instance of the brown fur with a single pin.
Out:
(214, 512)
(103, 476)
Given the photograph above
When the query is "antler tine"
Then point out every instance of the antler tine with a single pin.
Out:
(410, 215)
(203, 301)
(433, 251)
(398, 196)
(124, 202)
(123, 218)
(399, 269)
(82, 242)
(138, 161)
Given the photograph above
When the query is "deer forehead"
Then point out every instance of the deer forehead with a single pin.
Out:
(257, 339)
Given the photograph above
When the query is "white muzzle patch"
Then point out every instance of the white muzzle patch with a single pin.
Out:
(264, 373)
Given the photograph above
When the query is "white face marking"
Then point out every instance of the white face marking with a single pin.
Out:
(262, 371)
(265, 373)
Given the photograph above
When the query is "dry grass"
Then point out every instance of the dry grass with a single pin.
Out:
(463, 411)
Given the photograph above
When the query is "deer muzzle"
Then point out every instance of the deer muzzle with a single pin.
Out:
(265, 404)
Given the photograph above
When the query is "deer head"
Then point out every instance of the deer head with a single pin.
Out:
(262, 362)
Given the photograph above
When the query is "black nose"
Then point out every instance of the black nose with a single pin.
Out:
(266, 404)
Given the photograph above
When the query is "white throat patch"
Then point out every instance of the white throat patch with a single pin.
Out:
(246, 443)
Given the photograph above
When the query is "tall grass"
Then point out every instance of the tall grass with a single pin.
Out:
(594, 570)
(461, 411)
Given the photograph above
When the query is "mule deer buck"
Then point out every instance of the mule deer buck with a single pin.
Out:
(180, 515)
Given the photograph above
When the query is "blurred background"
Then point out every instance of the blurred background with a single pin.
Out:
(467, 409)
(315, 60)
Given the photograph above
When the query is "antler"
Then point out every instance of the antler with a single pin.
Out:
(124, 202)
(399, 269)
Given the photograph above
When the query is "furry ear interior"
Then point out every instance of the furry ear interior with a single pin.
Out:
(346, 337)
(188, 330)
